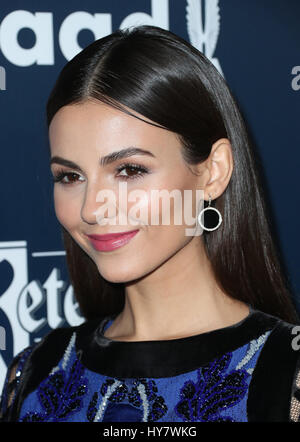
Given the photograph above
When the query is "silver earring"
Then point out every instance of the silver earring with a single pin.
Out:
(213, 212)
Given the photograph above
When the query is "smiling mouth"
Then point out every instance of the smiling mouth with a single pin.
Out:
(110, 235)
(111, 241)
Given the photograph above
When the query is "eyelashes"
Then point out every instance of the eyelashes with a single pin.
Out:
(139, 172)
(61, 174)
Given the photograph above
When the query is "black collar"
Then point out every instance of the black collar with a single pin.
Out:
(163, 358)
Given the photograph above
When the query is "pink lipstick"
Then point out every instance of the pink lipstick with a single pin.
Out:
(111, 241)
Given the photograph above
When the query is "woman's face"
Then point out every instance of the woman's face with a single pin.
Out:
(85, 133)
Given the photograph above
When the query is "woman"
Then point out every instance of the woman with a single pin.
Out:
(179, 327)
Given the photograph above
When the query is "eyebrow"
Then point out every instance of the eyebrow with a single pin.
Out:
(107, 159)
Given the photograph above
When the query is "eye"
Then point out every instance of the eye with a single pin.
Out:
(72, 177)
(135, 171)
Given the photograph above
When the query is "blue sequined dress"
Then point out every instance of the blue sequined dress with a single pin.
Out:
(245, 372)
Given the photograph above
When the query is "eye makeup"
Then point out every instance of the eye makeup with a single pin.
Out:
(137, 170)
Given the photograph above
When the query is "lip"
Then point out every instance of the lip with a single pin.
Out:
(111, 241)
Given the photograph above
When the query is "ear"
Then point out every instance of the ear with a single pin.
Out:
(218, 168)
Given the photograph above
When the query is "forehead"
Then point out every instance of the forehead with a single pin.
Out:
(97, 124)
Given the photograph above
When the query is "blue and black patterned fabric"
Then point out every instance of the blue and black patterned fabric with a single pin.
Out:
(217, 376)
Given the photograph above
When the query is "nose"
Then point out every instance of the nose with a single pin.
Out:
(98, 203)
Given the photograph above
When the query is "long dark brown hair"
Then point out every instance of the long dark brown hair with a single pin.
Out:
(164, 78)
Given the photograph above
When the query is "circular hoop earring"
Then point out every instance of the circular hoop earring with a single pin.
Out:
(210, 209)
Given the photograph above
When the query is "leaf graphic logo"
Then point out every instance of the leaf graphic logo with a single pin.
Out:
(204, 38)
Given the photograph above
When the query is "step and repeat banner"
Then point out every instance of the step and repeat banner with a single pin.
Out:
(255, 44)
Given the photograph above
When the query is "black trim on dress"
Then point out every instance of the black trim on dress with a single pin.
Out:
(165, 358)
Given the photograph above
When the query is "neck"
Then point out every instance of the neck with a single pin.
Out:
(180, 298)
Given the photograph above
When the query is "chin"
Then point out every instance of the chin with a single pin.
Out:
(117, 275)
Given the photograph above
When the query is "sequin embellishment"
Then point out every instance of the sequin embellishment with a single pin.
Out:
(213, 392)
(11, 387)
(130, 400)
(61, 393)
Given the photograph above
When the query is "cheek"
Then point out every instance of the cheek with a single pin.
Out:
(149, 207)
(66, 208)
(139, 207)
(174, 197)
